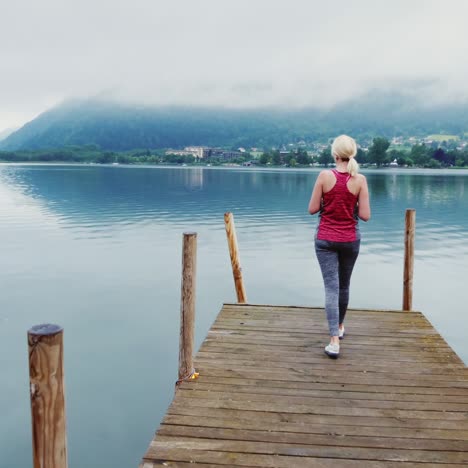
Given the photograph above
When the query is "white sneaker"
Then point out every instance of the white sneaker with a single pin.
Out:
(341, 333)
(332, 350)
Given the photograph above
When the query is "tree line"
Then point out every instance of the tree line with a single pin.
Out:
(379, 153)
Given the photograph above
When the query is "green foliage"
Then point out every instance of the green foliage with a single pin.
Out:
(377, 153)
(302, 157)
(124, 159)
(276, 158)
(420, 155)
(325, 158)
(105, 158)
(286, 159)
(361, 156)
(433, 164)
(264, 159)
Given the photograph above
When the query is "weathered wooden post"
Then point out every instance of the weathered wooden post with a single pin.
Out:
(410, 222)
(46, 377)
(235, 260)
(187, 307)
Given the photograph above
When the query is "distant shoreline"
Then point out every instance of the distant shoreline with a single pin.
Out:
(314, 169)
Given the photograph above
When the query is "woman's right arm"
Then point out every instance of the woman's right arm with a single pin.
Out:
(364, 212)
(316, 198)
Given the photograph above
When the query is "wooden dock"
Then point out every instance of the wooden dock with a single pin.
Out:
(268, 396)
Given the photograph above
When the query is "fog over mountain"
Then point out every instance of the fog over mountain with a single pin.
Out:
(6, 133)
(116, 125)
(245, 54)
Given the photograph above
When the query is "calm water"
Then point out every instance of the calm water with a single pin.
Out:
(97, 250)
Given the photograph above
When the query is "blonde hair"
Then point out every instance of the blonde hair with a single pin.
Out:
(345, 148)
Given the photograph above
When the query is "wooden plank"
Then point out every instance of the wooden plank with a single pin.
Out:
(355, 351)
(367, 315)
(291, 351)
(372, 347)
(317, 336)
(220, 433)
(273, 461)
(269, 342)
(442, 419)
(300, 450)
(293, 309)
(221, 393)
(271, 419)
(367, 318)
(217, 353)
(298, 375)
(438, 373)
(163, 452)
(319, 314)
(152, 464)
(296, 328)
(325, 386)
(273, 391)
(309, 327)
(245, 421)
(268, 396)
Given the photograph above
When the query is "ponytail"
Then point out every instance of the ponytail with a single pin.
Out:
(353, 167)
(345, 148)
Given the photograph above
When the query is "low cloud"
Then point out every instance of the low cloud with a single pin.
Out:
(238, 54)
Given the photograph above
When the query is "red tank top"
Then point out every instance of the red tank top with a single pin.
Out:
(338, 220)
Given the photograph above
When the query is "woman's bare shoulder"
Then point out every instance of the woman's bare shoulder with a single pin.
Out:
(325, 173)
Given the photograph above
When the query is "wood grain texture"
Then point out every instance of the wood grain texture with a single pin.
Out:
(410, 224)
(46, 376)
(187, 305)
(268, 396)
(235, 259)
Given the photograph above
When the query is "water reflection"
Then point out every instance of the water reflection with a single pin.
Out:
(103, 195)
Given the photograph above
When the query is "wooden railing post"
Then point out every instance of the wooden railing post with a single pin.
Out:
(47, 390)
(410, 222)
(235, 260)
(187, 307)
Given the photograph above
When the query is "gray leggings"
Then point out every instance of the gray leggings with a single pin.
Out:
(336, 261)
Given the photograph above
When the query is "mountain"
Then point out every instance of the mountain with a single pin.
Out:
(6, 133)
(117, 126)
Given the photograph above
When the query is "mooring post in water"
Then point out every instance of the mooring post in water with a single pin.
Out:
(410, 222)
(47, 390)
(235, 260)
(187, 307)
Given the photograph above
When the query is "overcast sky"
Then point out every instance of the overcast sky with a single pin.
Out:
(242, 53)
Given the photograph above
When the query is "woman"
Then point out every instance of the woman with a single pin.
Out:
(341, 196)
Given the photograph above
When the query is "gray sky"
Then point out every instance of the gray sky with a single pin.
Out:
(242, 53)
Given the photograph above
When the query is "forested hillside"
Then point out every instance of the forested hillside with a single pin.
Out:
(120, 127)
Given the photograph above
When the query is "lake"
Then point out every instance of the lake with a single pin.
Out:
(98, 250)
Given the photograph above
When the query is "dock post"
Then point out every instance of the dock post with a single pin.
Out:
(47, 391)
(410, 222)
(187, 307)
(235, 260)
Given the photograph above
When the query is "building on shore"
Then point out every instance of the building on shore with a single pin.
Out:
(198, 152)
(203, 152)
(221, 154)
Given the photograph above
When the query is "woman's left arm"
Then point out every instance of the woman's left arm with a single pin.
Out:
(315, 202)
